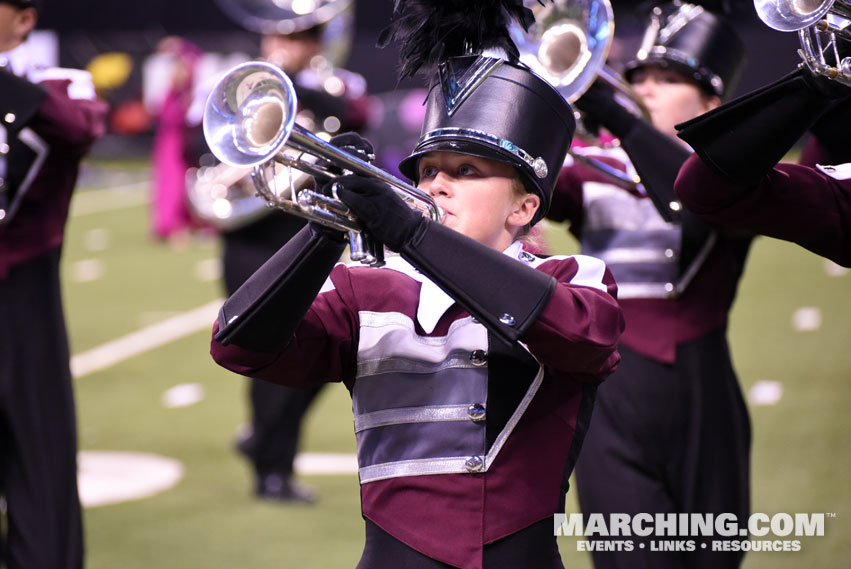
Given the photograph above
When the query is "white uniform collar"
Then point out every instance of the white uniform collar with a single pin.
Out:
(837, 171)
(23, 61)
(434, 302)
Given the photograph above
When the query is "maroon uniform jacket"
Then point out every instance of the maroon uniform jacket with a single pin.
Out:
(68, 125)
(426, 378)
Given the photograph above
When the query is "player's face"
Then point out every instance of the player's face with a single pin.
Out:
(481, 198)
(290, 53)
(15, 25)
(670, 96)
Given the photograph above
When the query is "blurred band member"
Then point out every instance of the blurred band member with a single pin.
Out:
(329, 100)
(49, 118)
(670, 432)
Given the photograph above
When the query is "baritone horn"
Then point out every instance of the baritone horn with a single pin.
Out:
(822, 26)
(568, 45)
(249, 122)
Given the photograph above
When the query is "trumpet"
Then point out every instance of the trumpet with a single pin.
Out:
(249, 122)
(820, 24)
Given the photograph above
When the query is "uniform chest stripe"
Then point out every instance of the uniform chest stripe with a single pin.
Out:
(430, 413)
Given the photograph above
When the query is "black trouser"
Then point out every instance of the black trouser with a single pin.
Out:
(533, 547)
(276, 411)
(277, 414)
(668, 439)
(38, 433)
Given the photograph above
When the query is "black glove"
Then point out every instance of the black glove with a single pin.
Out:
(600, 105)
(382, 213)
(351, 143)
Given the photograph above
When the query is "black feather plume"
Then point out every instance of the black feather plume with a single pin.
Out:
(430, 30)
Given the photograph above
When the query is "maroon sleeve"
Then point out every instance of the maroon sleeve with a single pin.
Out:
(579, 329)
(73, 124)
(793, 202)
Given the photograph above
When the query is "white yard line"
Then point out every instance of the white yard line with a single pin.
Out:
(145, 339)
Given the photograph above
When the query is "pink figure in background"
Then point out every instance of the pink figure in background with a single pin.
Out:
(171, 219)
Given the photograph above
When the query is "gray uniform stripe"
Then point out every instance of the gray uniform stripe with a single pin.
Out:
(412, 468)
(431, 413)
(646, 290)
(636, 255)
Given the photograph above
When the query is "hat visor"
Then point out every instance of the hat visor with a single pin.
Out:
(665, 63)
(409, 166)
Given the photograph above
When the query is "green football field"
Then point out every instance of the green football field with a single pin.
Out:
(139, 314)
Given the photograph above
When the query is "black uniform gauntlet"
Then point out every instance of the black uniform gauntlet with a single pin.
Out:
(761, 126)
(264, 312)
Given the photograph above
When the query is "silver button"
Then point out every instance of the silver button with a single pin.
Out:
(539, 165)
(474, 464)
(478, 357)
(675, 206)
(476, 412)
(507, 319)
(669, 253)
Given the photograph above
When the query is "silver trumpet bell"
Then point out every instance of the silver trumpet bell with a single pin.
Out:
(249, 121)
(821, 26)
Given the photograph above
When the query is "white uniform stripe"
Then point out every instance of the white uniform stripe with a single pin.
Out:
(417, 467)
(392, 334)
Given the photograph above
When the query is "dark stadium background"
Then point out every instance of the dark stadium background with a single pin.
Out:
(87, 27)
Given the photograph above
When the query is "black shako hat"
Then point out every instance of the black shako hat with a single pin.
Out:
(489, 107)
(37, 4)
(695, 42)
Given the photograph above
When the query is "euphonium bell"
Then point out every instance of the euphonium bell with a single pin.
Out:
(824, 30)
(568, 45)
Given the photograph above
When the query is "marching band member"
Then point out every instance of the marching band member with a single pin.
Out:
(471, 362)
(49, 117)
(670, 431)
